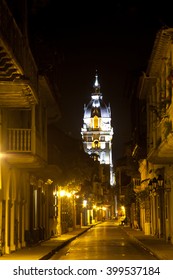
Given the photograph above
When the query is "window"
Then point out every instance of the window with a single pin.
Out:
(96, 122)
(96, 144)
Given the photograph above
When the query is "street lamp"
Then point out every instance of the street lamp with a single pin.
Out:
(150, 186)
(154, 183)
(61, 193)
(160, 181)
(65, 209)
(157, 186)
(58, 194)
(69, 211)
(85, 203)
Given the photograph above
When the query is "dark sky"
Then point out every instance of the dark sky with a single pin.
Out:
(114, 37)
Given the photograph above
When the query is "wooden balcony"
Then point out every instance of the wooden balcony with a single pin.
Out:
(163, 153)
(24, 148)
(18, 72)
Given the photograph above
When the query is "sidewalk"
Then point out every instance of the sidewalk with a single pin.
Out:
(158, 247)
(45, 249)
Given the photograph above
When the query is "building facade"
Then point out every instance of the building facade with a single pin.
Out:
(155, 191)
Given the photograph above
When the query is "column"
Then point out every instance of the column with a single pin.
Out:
(23, 243)
(0, 184)
(74, 211)
(12, 228)
(59, 230)
(33, 130)
(0, 223)
(162, 213)
(7, 228)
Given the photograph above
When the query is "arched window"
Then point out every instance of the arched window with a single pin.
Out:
(96, 122)
(96, 144)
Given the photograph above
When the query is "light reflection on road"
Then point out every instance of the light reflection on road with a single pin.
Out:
(106, 241)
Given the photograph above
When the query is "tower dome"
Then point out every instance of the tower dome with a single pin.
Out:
(96, 106)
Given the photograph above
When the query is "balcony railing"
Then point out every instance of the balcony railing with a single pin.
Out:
(19, 140)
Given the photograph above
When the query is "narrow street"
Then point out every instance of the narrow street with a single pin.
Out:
(106, 241)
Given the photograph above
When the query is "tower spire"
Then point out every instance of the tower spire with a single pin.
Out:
(96, 84)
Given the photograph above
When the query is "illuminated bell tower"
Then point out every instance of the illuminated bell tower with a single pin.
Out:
(97, 131)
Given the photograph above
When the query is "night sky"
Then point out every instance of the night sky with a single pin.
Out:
(114, 37)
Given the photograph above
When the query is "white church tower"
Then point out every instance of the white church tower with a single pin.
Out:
(97, 131)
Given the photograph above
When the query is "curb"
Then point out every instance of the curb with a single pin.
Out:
(50, 254)
(141, 244)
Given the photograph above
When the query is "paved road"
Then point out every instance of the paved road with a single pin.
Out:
(106, 241)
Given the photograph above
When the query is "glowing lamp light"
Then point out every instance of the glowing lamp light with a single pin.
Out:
(84, 203)
(2, 155)
(62, 193)
(68, 194)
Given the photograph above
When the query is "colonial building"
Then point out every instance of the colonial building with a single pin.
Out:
(27, 105)
(156, 169)
(97, 131)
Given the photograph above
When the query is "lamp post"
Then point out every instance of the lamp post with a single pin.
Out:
(152, 207)
(161, 206)
(0, 201)
(154, 184)
(57, 213)
(84, 212)
(160, 181)
(156, 187)
(74, 210)
(66, 216)
(58, 194)
(59, 229)
(62, 193)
